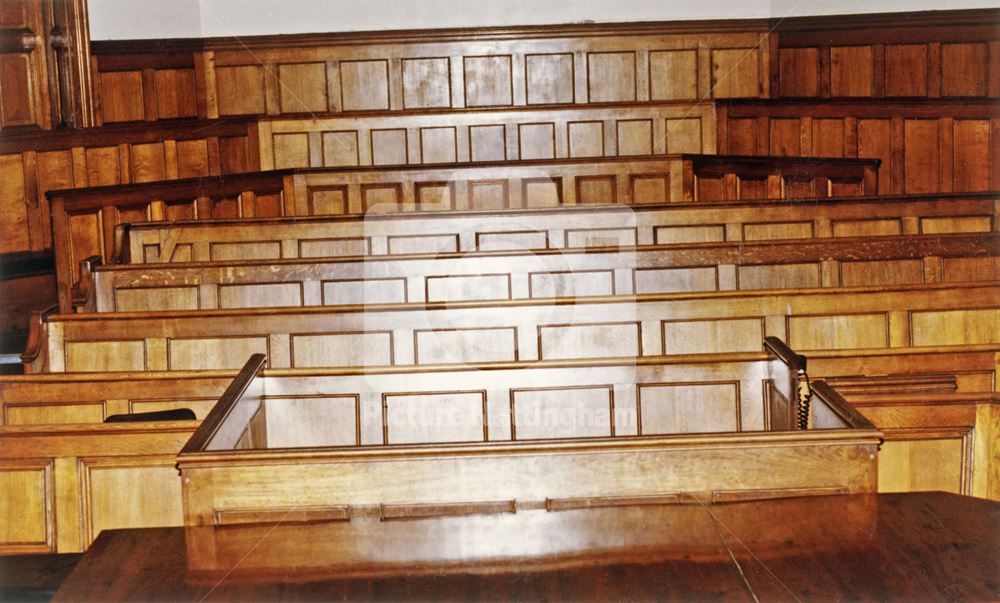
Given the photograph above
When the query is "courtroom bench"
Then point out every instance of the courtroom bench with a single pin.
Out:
(37, 408)
(833, 262)
(925, 145)
(511, 330)
(85, 220)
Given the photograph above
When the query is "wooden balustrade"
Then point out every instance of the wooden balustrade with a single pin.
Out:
(33, 163)
(837, 262)
(431, 69)
(84, 221)
(928, 55)
(526, 446)
(521, 330)
(925, 146)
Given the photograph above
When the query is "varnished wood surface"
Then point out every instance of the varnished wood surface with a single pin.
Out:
(926, 546)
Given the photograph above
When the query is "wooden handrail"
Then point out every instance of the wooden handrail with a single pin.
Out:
(227, 402)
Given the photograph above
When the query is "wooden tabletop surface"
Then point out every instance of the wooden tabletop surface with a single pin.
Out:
(913, 547)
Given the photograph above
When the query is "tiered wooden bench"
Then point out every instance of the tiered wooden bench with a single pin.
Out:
(836, 262)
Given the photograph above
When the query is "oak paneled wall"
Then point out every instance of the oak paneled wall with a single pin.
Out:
(85, 220)
(64, 484)
(567, 227)
(523, 330)
(33, 163)
(495, 134)
(430, 69)
(925, 146)
(937, 441)
(930, 55)
(850, 261)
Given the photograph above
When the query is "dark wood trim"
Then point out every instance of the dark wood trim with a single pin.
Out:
(843, 107)
(24, 264)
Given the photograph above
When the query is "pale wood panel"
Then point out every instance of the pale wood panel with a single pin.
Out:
(319, 421)
(782, 276)
(105, 356)
(438, 145)
(331, 248)
(24, 516)
(673, 74)
(650, 188)
(488, 143)
(735, 73)
(130, 494)
(888, 272)
(684, 136)
(549, 78)
(611, 77)
(328, 201)
(676, 280)
(601, 237)
(302, 87)
(954, 327)
(51, 414)
(342, 349)
(381, 198)
(696, 408)
(589, 341)
(664, 235)
(586, 139)
(260, 296)
(920, 465)
(867, 228)
(426, 83)
(537, 141)
(571, 284)
(388, 147)
(956, 224)
(497, 241)
(713, 336)
(635, 137)
(253, 250)
(249, 80)
(13, 205)
(465, 345)
(962, 72)
(541, 193)
(488, 81)
(838, 332)
(212, 352)
(367, 291)
(562, 413)
(596, 190)
(850, 71)
(152, 299)
(423, 244)
(290, 150)
(906, 70)
(455, 288)
(102, 166)
(439, 417)
(121, 96)
(340, 148)
(777, 230)
(148, 162)
(364, 85)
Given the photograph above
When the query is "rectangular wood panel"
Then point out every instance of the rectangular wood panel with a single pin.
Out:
(571, 284)
(465, 345)
(713, 336)
(838, 332)
(105, 356)
(676, 280)
(364, 85)
(488, 81)
(314, 421)
(955, 327)
(152, 299)
(560, 413)
(689, 408)
(468, 288)
(612, 340)
(673, 74)
(549, 78)
(342, 349)
(611, 77)
(367, 291)
(249, 80)
(261, 295)
(426, 83)
(24, 518)
(438, 417)
(212, 352)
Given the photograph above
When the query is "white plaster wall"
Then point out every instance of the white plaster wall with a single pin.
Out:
(134, 19)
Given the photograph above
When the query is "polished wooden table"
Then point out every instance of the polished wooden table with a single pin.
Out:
(914, 547)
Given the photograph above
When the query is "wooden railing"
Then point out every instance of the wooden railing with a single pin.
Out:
(84, 221)
(526, 274)
(925, 146)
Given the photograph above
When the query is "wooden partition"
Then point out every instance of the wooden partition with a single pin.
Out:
(33, 163)
(565, 446)
(430, 69)
(521, 330)
(85, 220)
(569, 227)
(837, 262)
(929, 55)
(925, 146)
(487, 134)
(63, 484)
